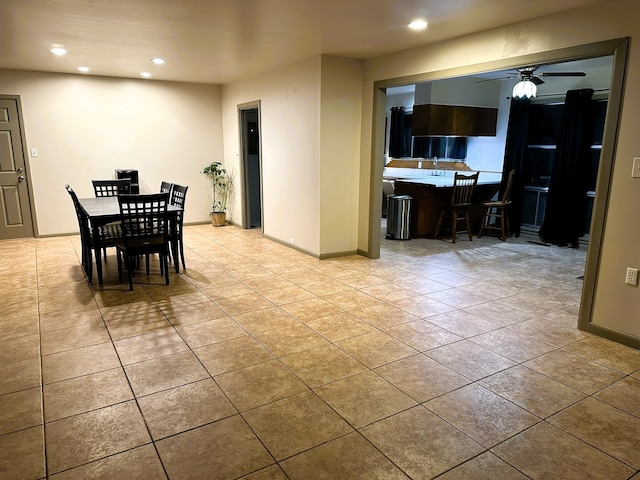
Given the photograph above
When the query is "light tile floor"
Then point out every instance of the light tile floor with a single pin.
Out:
(260, 362)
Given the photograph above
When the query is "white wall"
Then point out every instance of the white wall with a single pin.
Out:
(616, 305)
(597, 78)
(400, 100)
(86, 127)
(290, 135)
(464, 91)
(487, 153)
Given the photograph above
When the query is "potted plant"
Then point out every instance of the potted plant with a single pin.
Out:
(221, 186)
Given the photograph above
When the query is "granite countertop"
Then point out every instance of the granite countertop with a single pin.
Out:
(426, 177)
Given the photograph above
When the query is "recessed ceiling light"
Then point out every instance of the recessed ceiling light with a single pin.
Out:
(84, 69)
(418, 25)
(145, 74)
(58, 50)
(158, 61)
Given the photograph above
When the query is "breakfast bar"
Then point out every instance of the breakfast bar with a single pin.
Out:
(431, 189)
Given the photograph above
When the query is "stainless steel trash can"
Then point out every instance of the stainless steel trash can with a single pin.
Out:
(398, 217)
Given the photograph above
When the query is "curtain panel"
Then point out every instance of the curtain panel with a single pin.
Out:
(515, 157)
(397, 139)
(567, 205)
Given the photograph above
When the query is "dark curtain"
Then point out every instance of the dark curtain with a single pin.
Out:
(397, 139)
(437, 147)
(420, 147)
(566, 211)
(457, 148)
(408, 128)
(515, 156)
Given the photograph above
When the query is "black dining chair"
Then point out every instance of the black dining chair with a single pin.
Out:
(144, 232)
(111, 188)
(165, 187)
(109, 234)
(85, 240)
(458, 208)
(178, 198)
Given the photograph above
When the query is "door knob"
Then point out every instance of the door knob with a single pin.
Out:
(20, 178)
(19, 171)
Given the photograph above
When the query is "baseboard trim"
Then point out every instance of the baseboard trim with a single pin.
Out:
(324, 256)
(287, 244)
(613, 335)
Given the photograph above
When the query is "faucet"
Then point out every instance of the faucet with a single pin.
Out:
(435, 166)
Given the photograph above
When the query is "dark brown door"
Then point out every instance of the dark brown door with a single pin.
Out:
(15, 207)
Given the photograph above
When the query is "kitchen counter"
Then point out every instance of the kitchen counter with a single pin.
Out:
(426, 177)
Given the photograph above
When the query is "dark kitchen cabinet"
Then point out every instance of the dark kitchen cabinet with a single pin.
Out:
(454, 120)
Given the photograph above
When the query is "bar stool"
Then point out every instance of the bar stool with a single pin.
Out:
(458, 209)
(497, 210)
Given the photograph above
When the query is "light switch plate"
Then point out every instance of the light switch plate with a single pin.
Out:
(636, 168)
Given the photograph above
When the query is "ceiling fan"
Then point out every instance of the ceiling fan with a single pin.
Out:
(528, 73)
(529, 80)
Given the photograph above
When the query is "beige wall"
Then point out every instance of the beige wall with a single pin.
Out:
(290, 121)
(310, 127)
(616, 305)
(341, 107)
(85, 127)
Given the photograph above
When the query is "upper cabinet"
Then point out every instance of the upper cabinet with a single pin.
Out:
(454, 120)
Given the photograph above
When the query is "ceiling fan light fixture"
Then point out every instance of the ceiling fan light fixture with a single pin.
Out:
(524, 88)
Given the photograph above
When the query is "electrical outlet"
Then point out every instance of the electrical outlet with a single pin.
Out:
(632, 276)
(292, 241)
(635, 173)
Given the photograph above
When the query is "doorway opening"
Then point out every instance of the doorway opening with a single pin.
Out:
(251, 165)
(618, 48)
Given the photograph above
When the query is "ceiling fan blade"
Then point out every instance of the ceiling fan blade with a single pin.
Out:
(537, 81)
(563, 74)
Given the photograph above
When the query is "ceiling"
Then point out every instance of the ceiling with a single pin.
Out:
(219, 41)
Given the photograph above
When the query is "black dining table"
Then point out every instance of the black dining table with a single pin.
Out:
(103, 210)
